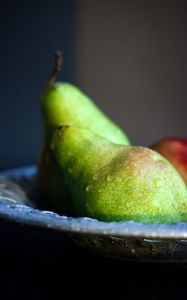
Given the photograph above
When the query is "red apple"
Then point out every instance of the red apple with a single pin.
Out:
(174, 149)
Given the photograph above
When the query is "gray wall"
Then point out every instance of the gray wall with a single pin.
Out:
(132, 60)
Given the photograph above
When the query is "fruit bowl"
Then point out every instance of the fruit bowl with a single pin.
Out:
(121, 240)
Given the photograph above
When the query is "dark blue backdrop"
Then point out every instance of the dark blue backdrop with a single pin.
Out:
(30, 32)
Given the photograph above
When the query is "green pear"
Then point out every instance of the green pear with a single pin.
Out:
(113, 182)
(64, 103)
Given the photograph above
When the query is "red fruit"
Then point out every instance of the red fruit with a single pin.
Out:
(174, 149)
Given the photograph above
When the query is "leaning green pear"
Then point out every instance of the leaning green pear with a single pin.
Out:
(64, 103)
(113, 182)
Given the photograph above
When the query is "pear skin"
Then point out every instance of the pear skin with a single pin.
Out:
(112, 182)
(64, 103)
(54, 193)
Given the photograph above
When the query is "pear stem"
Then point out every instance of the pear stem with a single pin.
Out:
(57, 67)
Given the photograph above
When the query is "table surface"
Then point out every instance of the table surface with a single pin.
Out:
(38, 263)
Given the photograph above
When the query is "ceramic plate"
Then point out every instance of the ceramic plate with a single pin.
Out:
(122, 240)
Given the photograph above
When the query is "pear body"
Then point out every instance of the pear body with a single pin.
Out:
(54, 193)
(112, 182)
(64, 103)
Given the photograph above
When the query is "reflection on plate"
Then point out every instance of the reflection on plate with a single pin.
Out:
(123, 240)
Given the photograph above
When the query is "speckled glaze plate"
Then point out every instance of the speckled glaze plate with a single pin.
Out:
(121, 240)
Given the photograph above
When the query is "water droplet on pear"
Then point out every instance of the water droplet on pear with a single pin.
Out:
(95, 176)
(88, 188)
(109, 178)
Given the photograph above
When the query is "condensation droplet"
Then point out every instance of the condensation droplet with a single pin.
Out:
(88, 188)
(95, 177)
(109, 178)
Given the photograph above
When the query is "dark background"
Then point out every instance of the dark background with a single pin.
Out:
(129, 56)
(46, 265)
(30, 33)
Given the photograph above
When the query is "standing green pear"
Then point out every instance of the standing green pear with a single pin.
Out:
(64, 103)
(113, 182)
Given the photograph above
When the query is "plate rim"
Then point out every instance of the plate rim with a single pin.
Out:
(27, 215)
